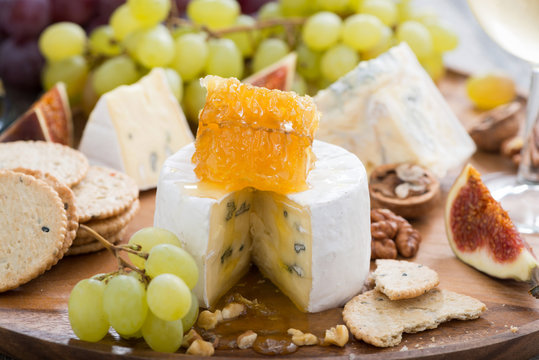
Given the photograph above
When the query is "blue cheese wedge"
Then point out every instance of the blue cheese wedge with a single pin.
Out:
(388, 110)
(313, 245)
(134, 128)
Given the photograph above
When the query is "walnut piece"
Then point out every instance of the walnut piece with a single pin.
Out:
(336, 336)
(208, 320)
(200, 348)
(392, 234)
(247, 339)
(300, 338)
(232, 310)
(188, 338)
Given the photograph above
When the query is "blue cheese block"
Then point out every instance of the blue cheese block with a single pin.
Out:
(134, 128)
(388, 110)
(313, 245)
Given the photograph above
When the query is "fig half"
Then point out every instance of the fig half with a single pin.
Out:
(482, 235)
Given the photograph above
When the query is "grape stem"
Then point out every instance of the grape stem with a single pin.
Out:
(262, 24)
(116, 249)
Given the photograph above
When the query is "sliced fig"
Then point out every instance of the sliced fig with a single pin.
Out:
(48, 119)
(481, 233)
(279, 75)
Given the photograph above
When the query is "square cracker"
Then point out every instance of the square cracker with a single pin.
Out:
(377, 320)
(400, 279)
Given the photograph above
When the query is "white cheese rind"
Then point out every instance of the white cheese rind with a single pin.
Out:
(389, 110)
(135, 128)
(338, 202)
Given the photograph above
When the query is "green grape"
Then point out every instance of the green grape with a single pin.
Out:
(123, 22)
(72, 72)
(385, 10)
(245, 40)
(405, 11)
(384, 44)
(85, 308)
(175, 83)
(163, 336)
(116, 71)
(336, 6)
(191, 55)
(136, 335)
(362, 31)
(355, 5)
(322, 30)
(168, 297)
(434, 65)
(194, 100)
(179, 31)
(149, 237)
(215, 14)
(299, 86)
(62, 40)
(124, 302)
(155, 47)
(149, 12)
(308, 63)
(224, 59)
(268, 52)
(443, 37)
(337, 61)
(102, 41)
(294, 7)
(490, 90)
(417, 36)
(270, 11)
(166, 258)
(189, 319)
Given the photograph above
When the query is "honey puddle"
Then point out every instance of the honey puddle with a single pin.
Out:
(270, 314)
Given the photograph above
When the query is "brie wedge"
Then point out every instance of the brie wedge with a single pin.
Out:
(388, 110)
(134, 128)
(313, 245)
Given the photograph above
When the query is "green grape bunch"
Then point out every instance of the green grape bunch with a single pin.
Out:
(213, 37)
(153, 301)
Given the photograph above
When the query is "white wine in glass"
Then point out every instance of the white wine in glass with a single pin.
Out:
(514, 25)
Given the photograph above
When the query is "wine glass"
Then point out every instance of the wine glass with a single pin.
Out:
(514, 25)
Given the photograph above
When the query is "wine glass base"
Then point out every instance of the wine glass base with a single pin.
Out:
(520, 200)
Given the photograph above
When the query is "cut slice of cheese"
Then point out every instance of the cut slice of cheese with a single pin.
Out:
(134, 128)
(314, 245)
(388, 110)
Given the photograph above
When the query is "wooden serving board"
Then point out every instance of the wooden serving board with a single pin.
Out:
(34, 322)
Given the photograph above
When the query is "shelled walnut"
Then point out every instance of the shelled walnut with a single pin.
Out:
(391, 235)
(407, 189)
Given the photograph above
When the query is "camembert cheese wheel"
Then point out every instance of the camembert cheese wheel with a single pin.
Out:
(313, 245)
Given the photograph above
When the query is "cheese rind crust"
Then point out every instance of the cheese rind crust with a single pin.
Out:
(338, 205)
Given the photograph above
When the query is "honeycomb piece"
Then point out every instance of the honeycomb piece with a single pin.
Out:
(250, 136)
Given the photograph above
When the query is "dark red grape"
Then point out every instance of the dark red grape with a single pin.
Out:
(77, 11)
(181, 5)
(106, 7)
(251, 6)
(21, 63)
(24, 19)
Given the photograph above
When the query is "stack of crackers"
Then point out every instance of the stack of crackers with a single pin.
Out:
(46, 190)
(405, 299)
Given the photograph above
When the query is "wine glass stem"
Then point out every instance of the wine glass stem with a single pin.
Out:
(528, 171)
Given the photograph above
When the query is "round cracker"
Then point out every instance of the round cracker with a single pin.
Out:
(33, 226)
(64, 163)
(68, 199)
(104, 193)
(95, 245)
(107, 227)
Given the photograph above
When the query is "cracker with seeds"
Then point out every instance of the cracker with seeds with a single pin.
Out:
(68, 199)
(95, 245)
(104, 193)
(107, 227)
(33, 227)
(64, 163)
(400, 279)
(377, 320)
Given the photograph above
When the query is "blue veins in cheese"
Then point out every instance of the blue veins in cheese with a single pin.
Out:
(134, 128)
(388, 110)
